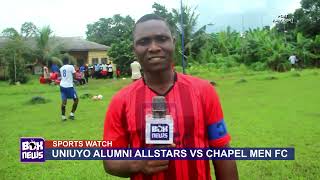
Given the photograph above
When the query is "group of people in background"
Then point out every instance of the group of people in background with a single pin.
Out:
(106, 70)
(49, 77)
(82, 74)
(102, 71)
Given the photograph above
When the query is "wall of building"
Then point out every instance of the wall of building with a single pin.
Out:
(97, 55)
(80, 56)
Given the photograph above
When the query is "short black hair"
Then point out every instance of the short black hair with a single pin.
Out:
(148, 17)
(65, 60)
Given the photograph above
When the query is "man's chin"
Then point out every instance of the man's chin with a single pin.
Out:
(159, 68)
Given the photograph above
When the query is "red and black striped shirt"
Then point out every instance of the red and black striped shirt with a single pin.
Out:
(194, 105)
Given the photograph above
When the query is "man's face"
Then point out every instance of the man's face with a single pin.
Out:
(153, 45)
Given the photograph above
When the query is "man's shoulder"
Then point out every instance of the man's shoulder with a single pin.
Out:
(67, 67)
(192, 81)
(70, 66)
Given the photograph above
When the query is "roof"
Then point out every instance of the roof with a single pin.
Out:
(66, 44)
(79, 44)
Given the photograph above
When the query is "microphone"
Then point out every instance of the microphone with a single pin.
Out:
(159, 125)
(159, 107)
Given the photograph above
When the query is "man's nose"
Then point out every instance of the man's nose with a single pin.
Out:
(154, 47)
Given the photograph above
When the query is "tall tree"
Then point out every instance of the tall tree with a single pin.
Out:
(308, 17)
(162, 11)
(15, 54)
(28, 29)
(42, 40)
(11, 33)
(193, 37)
(110, 30)
(115, 32)
(47, 50)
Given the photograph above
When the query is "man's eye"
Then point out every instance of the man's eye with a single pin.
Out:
(143, 42)
(161, 38)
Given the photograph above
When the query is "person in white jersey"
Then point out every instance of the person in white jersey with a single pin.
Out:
(293, 61)
(67, 73)
(135, 70)
(110, 70)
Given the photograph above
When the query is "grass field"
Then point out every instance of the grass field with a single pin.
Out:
(261, 110)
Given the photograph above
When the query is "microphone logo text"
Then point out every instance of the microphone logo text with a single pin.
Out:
(159, 132)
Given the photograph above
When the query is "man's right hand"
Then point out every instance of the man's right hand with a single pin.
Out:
(152, 166)
(126, 168)
(149, 166)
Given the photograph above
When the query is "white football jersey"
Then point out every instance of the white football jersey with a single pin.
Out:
(135, 68)
(66, 73)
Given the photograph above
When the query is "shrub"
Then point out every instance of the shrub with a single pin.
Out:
(295, 74)
(38, 100)
(258, 66)
(86, 96)
(15, 53)
(16, 69)
(241, 81)
(271, 78)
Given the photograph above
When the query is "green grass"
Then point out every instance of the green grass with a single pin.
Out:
(268, 110)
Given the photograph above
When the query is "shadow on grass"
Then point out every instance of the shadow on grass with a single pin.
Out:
(241, 81)
(38, 100)
(295, 74)
(271, 78)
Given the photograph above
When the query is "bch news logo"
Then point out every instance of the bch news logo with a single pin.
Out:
(159, 132)
(32, 149)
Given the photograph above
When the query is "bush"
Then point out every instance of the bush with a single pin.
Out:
(295, 74)
(17, 70)
(243, 69)
(15, 53)
(278, 62)
(86, 96)
(241, 81)
(225, 62)
(38, 100)
(271, 78)
(258, 66)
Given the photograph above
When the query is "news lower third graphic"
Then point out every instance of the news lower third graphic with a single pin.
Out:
(36, 149)
(32, 149)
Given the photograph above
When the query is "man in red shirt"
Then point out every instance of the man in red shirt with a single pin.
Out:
(193, 104)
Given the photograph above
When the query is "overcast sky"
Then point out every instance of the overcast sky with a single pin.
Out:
(70, 17)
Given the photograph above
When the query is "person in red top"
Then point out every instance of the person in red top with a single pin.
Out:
(192, 102)
(53, 76)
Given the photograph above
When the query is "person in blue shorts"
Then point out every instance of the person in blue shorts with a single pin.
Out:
(67, 73)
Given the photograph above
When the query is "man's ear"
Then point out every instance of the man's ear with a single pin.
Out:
(133, 49)
(174, 40)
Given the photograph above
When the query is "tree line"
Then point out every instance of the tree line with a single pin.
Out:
(260, 48)
(20, 51)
